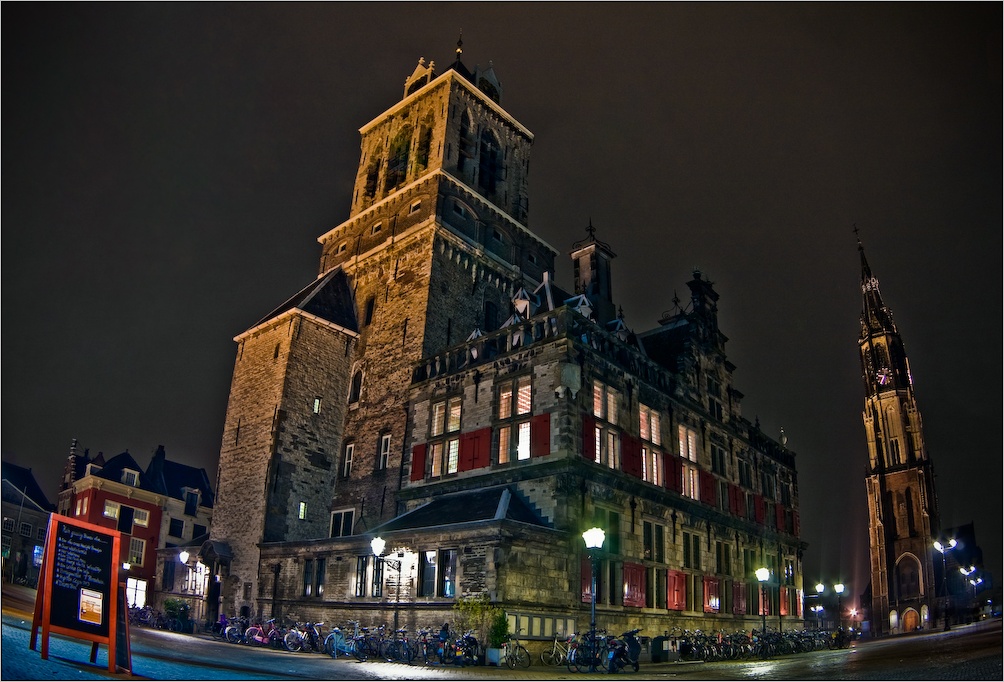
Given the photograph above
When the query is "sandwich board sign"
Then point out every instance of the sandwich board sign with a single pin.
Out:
(79, 593)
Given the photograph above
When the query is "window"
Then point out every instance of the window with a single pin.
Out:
(491, 321)
(25, 529)
(692, 550)
(79, 501)
(369, 310)
(320, 564)
(489, 162)
(308, 577)
(447, 584)
(745, 474)
(723, 558)
(341, 523)
(427, 574)
(376, 228)
(198, 531)
(688, 443)
(40, 535)
(317, 406)
(167, 579)
(6, 547)
(688, 451)
(347, 459)
(460, 210)
(8, 524)
(415, 206)
(191, 502)
(652, 465)
(341, 247)
(356, 389)
(649, 425)
(111, 510)
(137, 548)
(136, 592)
(377, 590)
(397, 159)
(610, 522)
(767, 485)
(362, 562)
(445, 453)
(130, 477)
(383, 452)
(719, 460)
(606, 440)
(141, 517)
(247, 591)
(301, 512)
(514, 404)
(176, 528)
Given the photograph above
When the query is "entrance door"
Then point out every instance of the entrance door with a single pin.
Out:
(911, 620)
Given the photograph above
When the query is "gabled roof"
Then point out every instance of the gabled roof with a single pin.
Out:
(485, 504)
(329, 298)
(171, 478)
(113, 468)
(20, 482)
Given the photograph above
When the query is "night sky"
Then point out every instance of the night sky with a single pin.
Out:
(167, 169)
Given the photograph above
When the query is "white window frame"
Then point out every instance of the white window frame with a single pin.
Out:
(111, 510)
(140, 517)
(136, 558)
(383, 454)
(301, 512)
(130, 477)
(8, 524)
(350, 449)
(688, 443)
(340, 513)
(25, 529)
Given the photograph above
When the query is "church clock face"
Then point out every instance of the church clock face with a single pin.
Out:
(883, 376)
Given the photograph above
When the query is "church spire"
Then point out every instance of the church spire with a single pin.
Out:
(876, 318)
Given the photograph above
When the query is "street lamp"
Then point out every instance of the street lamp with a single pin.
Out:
(944, 548)
(593, 538)
(839, 589)
(762, 574)
(183, 556)
(378, 544)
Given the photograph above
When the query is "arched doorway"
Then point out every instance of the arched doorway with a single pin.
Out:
(911, 620)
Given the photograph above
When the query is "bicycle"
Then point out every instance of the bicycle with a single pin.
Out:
(337, 644)
(515, 654)
(399, 648)
(558, 653)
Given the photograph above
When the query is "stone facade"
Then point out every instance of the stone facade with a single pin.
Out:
(489, 417)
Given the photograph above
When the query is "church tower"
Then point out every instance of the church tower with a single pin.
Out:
(435, 245)
(902, 505)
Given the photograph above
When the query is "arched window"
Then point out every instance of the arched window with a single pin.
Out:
(467, 148)
(907, 578)
(397, 160)
(372, 175)
(489, 162)
(356, 388)
(424, 144)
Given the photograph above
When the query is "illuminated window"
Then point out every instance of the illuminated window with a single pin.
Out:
(137, 549)
(129, 477)
(317, 405)
(383, 453)
(362, 562)
(445, 453)
(111, 510)
(347, 459)
(688, 443)
(136, 592)
(302, 511)
(649, 424)
(141, 517)
(513, 413)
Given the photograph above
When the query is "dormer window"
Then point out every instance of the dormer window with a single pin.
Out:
(191, 502)
(130, 477)
(92, 469)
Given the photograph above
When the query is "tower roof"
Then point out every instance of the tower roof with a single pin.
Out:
(23, 480)
(875, 315)
(328, 297)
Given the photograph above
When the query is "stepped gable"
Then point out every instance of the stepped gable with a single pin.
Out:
(491, 504)
(329, 298)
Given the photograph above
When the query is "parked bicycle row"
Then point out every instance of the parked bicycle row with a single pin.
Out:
(147, 616)
(723, 646)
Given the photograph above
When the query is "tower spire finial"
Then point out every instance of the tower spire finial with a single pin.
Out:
(460, 45)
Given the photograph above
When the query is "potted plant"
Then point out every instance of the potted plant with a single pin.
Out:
(498, 634)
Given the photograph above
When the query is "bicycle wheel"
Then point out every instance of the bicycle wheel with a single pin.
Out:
(570, 657)
(293, 641)
(547, 657)
(521, 656)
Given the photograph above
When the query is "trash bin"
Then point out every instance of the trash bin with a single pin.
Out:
(660, 649)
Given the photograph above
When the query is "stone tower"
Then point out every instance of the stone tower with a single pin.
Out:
(435, 246)
(902, 505)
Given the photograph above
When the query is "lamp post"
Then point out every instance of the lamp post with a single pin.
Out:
(378, 544)
(593, 538)
(817, 608)
(839, 589)
(762, 574)
(944, 548)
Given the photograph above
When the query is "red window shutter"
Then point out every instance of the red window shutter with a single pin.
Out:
(540, 435)
(585, 572)
(736, 500)
(779, 517)
(707, 480)
(674, 473)
(758, 508)
(418, 462)
(467, 443)
(482, 448)
(677, 591)
(631, 455)
(589, 438)
(794, 522)
(783, 600)
(634, 585)
(738, 598)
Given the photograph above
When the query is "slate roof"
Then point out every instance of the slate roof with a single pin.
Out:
(486, 504)
(113, 468)
(21, 482)
(171, 478)
(328, 298)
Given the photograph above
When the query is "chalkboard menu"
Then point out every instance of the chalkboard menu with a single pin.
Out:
(82, 580)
